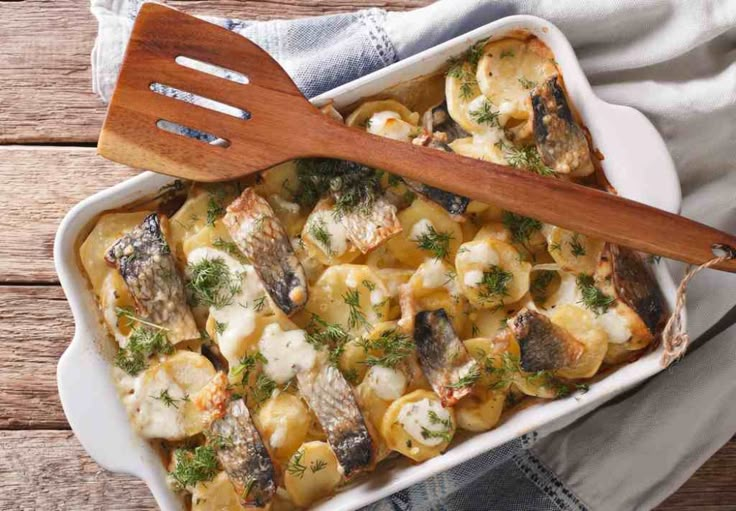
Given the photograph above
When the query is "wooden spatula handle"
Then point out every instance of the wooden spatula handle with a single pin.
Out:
(575, 207)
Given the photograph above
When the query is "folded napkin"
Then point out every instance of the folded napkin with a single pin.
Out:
(675, 60)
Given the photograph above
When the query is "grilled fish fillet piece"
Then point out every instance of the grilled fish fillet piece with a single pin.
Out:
(331, 399)
(560, 140)
(145, 262)
(634, 284)
(449, 368)
(368, 229)
(544, 345)
(254, 227)
(244, 456)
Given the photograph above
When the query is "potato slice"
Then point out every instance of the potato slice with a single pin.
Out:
(283, 421)
(417, 426)
(480, 411)
(576, 253)
(312, 473)
(427, 224)
(491, 273)
(368, 109)
(107, 230)
(350, 295)
(507, 72)
(582, 324)
(216, 495)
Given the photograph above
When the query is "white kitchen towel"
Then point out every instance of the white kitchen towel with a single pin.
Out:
(675, 60)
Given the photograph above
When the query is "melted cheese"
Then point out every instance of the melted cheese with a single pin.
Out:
(480, 253)
(153, 417)
(473, 278)
(434, 274)
(414, 418)
(239, 316)
(388, 384)
(615, 325)
(390, 125)
(287, 353)
(336, 233)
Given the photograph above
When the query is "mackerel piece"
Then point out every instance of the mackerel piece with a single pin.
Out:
(332, 400)
(561, 142)
(446, 363)
(261, 237)
(145, 262)
(635, 285)
(453, 204)
(368, 229)
(544, 345)
(244, 457)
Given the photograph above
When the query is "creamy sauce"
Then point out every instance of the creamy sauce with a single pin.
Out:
(239, 316)
(285, 205)
(377, 297)
(479, 253)
(388, 384)
(420, 228)
(434, 273)
(414, 418)
(473, 278)
(286, 352)
(153, 417)
(336, 233)
(278, 437)
(615, 325)
(389, 124)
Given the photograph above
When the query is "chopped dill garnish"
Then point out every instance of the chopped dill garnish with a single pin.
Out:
(354, 187)
(194, 466)
(474, 330)
(215, 209)
(593, 298)
(318, 231)
(485, 114)
(246, 365)
(576, 247)
(507, 54)
(331, 336)
(394, 346)
(436, 242)
(394, 180)
(565, 389)
(263, 388)
(317, 465)
(527, 84)
(259, 303)
(521, 227)
(443, 434)
(370, 286)
(525, 158)
(494, 284)
(230, 247)
(356, 317)
(132, 319)
(555, 247)
(143, 342)
(295, 467)
(539, 284)
(220, 327)
(219, 441)
(212, 283)
(168, 400)
(435, 419)
(467, 380)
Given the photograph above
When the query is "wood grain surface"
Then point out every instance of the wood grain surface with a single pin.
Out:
(46, 100)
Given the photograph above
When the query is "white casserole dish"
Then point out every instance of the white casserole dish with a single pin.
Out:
(636, 163)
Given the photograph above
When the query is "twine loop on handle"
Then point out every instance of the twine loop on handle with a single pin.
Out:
(674, 335)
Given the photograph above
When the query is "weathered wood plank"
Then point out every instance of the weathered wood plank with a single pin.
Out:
(38, 186)
(50, 470)
(45, 63)
(35, 329)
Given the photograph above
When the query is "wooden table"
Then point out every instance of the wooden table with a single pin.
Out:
(49, 121)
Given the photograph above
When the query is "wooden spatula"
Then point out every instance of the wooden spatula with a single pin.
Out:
(283, 125)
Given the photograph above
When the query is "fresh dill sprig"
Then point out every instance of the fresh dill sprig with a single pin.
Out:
(525, 158)
(246, 365)
(435, 419)
(317, 465)
(215, 208)
(485, 114)
(330, 336)
(143, 342)
(230, 247)
(318, 230)
(521, 227)
(194, 466)
(539, 284)
(494, 284)
(468, 380)
(220, 327)
(370, 286)
(168, 400)
(211, 283)
(263, 388)
(592, 297)
(393, 345)
(295, 466)
(356, 317)
(436, 242)
(131, 318)
(576, 247)
(259, 303)
(527, 84)
(219, 442)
